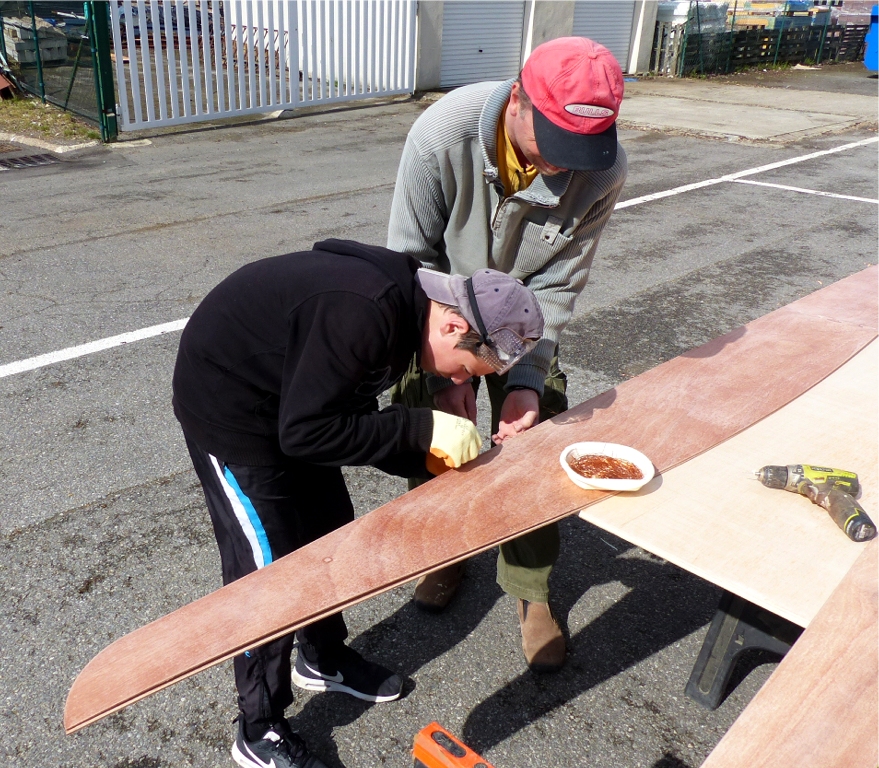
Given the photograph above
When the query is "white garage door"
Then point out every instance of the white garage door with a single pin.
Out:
(608, 22)
(481, 41)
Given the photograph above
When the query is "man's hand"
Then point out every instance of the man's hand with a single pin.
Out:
(455, 441)
(518, 413)
(458, 399)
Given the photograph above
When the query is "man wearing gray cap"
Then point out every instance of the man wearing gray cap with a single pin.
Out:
(520, 176)
(276, 386)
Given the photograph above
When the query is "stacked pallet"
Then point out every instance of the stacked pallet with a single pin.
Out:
(748, 14)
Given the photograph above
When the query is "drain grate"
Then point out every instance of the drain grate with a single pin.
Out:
(30, 161)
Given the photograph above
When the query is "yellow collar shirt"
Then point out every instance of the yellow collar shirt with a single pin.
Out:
(513, 175)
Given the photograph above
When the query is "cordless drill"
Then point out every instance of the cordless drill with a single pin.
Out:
(830, 488)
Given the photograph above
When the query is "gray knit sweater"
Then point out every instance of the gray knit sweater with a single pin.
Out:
(449, 211)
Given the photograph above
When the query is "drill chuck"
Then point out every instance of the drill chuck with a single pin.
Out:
(773, 477)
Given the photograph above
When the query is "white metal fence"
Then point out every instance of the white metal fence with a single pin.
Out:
(184, 61)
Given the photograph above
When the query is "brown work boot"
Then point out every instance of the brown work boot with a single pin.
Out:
(434, 590)
(542, 639)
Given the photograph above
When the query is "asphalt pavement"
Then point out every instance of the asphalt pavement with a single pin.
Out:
(102, 525)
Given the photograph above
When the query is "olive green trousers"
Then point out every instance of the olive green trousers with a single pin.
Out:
(523, 564)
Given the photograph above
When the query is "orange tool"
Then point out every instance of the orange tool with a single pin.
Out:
(435, 747)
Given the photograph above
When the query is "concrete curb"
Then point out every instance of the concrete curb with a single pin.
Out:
(45, 145)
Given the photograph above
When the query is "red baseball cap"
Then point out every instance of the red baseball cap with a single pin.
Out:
(575, 86)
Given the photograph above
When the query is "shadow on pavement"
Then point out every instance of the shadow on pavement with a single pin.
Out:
(670, 761)
(664, 604)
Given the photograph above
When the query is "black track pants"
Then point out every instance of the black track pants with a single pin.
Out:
(260, 514)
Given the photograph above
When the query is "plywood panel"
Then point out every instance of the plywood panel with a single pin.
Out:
(773, 548)
(819, 707)
(672, 413)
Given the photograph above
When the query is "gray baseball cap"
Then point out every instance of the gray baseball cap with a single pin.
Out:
(498, 307)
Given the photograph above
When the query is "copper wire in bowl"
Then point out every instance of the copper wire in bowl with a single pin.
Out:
(609, 467)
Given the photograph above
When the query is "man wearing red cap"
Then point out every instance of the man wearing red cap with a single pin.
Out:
(519, 176)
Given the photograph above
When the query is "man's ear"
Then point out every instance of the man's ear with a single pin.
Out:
(453, 324)
(515, 105)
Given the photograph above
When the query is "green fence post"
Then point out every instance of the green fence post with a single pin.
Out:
(823, 36)
(73, 73)
(97, 13)
(780, 31)
(732, 35)
(777, 47)
(682, 57)
(2, 37)
(37, 50)
(699, 32)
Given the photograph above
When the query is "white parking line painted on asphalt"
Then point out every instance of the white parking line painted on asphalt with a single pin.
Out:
(41, 361)
(806, 191)
(93, 346)
(741, 174)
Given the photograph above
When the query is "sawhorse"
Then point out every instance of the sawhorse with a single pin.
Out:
(737, 626)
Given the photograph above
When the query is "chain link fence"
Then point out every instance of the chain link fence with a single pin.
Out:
(718, 38)
(51, 51)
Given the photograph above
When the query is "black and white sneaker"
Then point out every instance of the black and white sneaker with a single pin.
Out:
(347, 671)
(280, 747)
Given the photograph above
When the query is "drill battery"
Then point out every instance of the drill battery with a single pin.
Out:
(435, 747)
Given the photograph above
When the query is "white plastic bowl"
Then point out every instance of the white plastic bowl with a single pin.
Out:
(615, 451)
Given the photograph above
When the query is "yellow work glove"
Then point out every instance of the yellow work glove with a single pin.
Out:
(455, 441)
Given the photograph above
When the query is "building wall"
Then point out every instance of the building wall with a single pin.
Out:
(643, 30)
(550, 19)
(544, 20)
(429, 45)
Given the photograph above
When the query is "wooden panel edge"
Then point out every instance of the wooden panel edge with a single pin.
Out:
(789, 707)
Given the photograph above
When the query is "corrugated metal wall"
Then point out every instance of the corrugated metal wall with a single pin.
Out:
(608, 22)
(481, 41)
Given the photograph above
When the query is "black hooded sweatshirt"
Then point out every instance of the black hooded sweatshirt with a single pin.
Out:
(287, 356)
